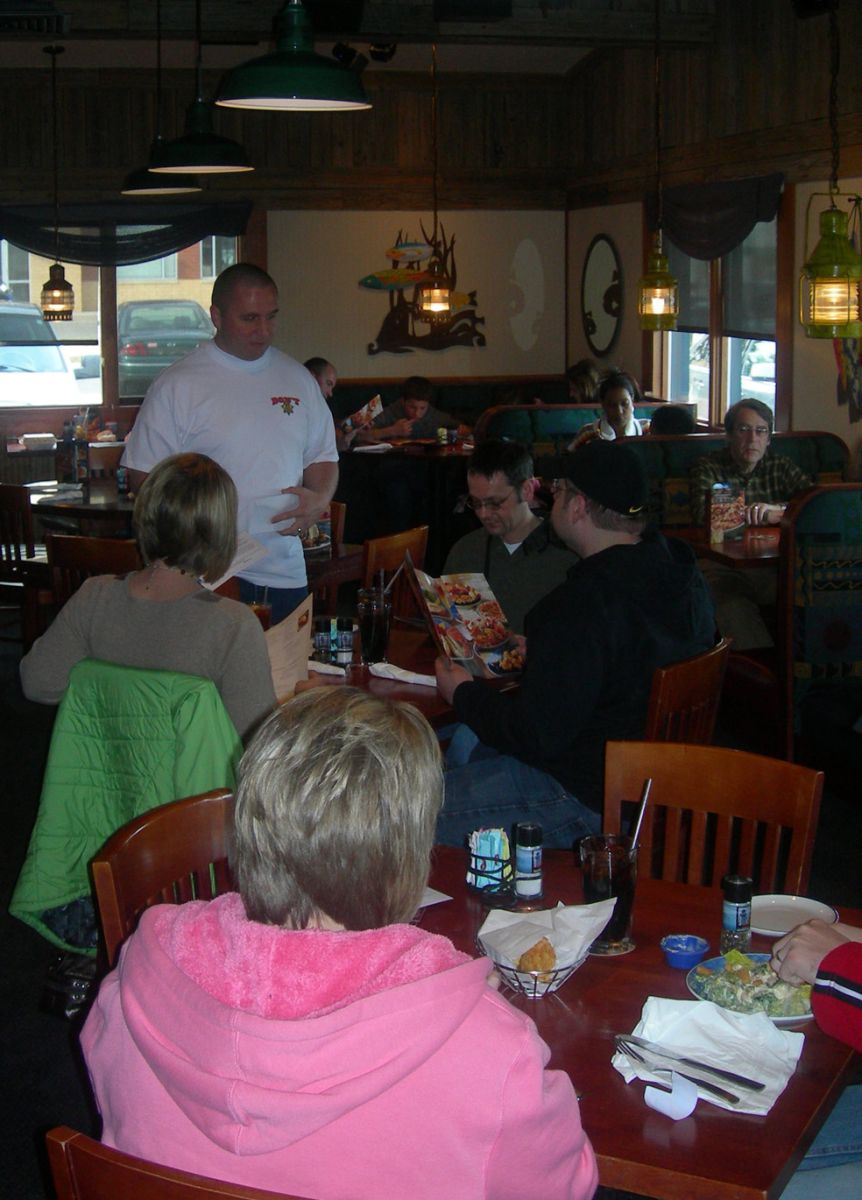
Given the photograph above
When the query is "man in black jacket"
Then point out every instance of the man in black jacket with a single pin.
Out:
(635, 602)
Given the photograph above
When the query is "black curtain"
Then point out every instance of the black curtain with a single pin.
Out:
(119, 233)
(707, 220)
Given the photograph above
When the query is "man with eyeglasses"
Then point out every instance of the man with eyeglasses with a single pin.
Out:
(635, 601)
(516, 550)
(768, 481)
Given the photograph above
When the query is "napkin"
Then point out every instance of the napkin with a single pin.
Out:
(373, 448)
(324, 668)
(390, 671)
(748, 1043)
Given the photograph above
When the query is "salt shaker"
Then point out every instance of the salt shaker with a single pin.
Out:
(736, 913)
(528, 861)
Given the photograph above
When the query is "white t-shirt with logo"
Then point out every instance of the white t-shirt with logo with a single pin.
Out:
(264, 421)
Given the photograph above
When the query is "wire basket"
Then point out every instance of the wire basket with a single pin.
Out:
(535, 984)
(493, 880)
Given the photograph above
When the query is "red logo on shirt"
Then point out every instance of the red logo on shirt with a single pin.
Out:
(288, 403)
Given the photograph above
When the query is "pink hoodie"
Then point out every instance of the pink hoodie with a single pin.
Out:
(331, 1065)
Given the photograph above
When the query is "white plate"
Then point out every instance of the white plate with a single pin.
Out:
(776, 915)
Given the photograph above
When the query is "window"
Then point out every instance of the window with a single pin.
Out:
(157, 268)
(14, 272)
(217, 252)
(725, 347)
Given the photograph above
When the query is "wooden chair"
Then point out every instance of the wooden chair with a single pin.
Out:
(684, 698)
(386, 554)
(713, 810)
(84, 1169)
(18, 552)
(173, 853)
(74, 559)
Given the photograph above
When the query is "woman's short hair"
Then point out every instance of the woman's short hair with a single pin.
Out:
(337, 802)
(583, 379)
(185, 514)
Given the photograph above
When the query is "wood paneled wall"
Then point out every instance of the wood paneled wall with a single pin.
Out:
(755, 100)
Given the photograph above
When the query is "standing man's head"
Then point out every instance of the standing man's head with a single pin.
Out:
(417, 395)
(748, 425)
(325, 374)
(618, 394)
(601, 499)
(498, 478)
(243, 310)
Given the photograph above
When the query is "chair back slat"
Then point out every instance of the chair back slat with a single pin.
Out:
(684, 698)
(746, 813)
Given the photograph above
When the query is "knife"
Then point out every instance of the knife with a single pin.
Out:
(661, 1052)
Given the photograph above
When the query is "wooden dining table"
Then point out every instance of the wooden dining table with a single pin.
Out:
(713, 1154)
(759, 546)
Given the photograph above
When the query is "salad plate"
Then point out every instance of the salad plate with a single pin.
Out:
(740, 983)
(773, 916)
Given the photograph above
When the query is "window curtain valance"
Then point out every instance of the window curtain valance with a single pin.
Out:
(707, 220)
(119, 234)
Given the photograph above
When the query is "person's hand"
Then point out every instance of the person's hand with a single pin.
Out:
(402, 428)
(311, 505)
(520, 644)
(764, 514)
(797, 956)
(449, 677)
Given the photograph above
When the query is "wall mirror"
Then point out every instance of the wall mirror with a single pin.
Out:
(601, 295)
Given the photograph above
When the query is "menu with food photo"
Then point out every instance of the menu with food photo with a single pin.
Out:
(467, 623)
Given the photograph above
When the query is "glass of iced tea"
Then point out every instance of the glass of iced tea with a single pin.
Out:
(261, 606)
(610, 868)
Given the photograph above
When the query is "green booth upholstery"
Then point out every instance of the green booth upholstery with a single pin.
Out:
(465, 399)
(546, 425)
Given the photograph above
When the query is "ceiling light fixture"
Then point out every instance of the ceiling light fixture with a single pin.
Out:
(829, 283)
(199, 151)
(58, 295)
(435, 293)
(294, 78)
(143, 181)
(658, 291)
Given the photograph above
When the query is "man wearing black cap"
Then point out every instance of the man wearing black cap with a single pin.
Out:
(636, 601)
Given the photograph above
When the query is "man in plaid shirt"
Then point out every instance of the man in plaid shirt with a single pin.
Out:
(768, 481)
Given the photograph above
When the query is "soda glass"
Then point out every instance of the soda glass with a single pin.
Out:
(610, 868)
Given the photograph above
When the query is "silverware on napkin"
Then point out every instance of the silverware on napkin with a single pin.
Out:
(640, 1047)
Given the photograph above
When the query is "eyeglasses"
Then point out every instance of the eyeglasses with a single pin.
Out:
(491, 505)
(757, 430)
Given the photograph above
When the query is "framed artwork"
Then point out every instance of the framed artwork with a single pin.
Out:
(602, 295)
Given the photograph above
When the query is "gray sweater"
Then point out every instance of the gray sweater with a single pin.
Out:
(200, 634)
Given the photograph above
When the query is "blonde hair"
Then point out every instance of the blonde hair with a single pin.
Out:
(185, 514)
(336, 807)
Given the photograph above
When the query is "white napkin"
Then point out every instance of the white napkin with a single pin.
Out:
(747, 1043)
(372, 448)
(570, 928)
(324, 668)
(390, 671)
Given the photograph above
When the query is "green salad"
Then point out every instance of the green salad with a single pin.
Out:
(745, 985)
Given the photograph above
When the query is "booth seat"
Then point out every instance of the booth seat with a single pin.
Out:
(668, 459)
(465, 399)
(547, 426)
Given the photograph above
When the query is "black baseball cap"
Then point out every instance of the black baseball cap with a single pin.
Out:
(610, 474)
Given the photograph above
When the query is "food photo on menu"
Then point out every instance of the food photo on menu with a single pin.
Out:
(467, 623)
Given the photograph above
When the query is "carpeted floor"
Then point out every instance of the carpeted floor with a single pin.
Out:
(45, 1081)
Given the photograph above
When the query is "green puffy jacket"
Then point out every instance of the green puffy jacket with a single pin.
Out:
(125, 740)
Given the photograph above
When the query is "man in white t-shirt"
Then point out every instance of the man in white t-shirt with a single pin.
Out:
(258, 413)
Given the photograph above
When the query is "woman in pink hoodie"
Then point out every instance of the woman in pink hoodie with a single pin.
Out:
(302, 1035)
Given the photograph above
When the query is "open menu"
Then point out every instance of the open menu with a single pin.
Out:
(467, 623)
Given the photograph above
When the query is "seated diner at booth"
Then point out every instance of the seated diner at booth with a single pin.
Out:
(302, 1035)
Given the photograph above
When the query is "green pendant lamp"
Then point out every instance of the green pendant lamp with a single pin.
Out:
(658, 291)
(829, 284)
(142, 181)
(57, 300)
(199, 151)
(294, 79)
